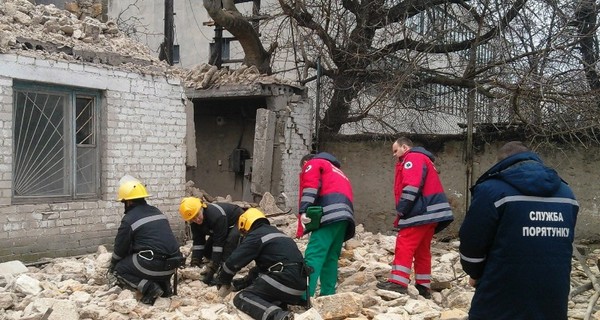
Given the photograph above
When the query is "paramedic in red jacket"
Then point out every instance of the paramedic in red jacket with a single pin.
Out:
(422, 209)
(322, 183)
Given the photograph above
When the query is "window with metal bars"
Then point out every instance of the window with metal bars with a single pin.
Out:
(55, 143)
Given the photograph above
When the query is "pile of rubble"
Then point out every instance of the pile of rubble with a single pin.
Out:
(59, 34)
(77, 35)
(77, 288)
(205, 76)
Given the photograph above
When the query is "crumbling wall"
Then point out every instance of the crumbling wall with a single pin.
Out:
(289, 123)
(296, 141)
(142, 134)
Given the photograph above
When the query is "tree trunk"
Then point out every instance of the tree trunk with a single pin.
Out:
(345, 91)
(585, 20)
(232, 20)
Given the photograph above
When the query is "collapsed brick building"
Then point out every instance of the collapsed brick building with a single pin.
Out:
(82, 105)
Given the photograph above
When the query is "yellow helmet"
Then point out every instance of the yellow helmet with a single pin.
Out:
(189, 207)
(132, 189)
(247, 219)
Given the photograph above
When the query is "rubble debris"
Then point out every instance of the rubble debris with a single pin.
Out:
(77, 288)
(206, 76)
(52, 32)
(76, 34)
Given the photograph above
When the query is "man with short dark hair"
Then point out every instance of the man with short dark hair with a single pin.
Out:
(422, 209)
(323, 185)
(516, 239)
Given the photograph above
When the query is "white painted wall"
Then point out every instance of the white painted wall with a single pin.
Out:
(192, 36)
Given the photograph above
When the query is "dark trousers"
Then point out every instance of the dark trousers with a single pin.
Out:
(137, 273)
(232, 241)
(268, 295)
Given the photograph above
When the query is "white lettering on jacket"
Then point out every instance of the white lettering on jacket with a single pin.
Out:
(545, 216)
(545, 232)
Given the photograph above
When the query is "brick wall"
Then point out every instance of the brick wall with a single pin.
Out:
(297, 141)
(142, 130)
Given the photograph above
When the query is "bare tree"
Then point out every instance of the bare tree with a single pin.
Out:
(225, 14)
(415, 64)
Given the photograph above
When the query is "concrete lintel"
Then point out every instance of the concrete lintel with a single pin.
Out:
(246, 90)
(229, 91)
(282, 90)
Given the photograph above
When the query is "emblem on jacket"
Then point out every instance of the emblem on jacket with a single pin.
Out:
(308, 168)
(408, 165)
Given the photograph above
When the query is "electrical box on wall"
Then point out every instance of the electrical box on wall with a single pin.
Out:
(237, 159)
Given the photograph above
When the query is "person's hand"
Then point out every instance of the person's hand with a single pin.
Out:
(240, 283)
(305, 220)
(223, 278)
(111, 268)
(472, 282)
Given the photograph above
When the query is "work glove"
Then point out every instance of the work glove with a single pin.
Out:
(208, 274)
(305, 220)
(111, 268)
(240, 283)
(209, 267)
(197, 262)
(223, 278)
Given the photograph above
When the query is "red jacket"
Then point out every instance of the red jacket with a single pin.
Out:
(322, 183)
(419, 194)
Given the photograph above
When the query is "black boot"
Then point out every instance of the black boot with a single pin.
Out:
(209, 279)
(154, 291)
(283, 315)
(424, 291)
(166, 288)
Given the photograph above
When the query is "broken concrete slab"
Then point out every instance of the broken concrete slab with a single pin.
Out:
(14, 267)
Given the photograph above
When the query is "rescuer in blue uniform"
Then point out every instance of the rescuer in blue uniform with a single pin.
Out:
(146, 252)
(516, 239)
(279, 276)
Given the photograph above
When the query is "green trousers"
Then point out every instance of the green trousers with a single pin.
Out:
(322, 254)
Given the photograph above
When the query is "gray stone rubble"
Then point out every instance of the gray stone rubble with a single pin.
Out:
(46, 31)
(77, 288)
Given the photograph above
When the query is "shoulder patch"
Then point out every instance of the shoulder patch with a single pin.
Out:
(408, 165)
(308, 167)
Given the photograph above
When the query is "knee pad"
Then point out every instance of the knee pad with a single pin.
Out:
(238, 300)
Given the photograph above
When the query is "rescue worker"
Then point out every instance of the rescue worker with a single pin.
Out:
(146, 252)
(516, 239)
(324, 185)
(279, 278)
(214, 233)
(422, 209)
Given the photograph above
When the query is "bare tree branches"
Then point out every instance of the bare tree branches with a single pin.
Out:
(231, 19)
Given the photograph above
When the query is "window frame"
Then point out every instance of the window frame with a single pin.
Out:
(68, 139)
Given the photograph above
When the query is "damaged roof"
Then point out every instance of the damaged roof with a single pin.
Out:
(76, 35)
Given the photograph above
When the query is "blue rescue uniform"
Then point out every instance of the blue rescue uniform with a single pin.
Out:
(516, 240)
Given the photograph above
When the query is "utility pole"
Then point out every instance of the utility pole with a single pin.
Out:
(169, 32)
(216, 57)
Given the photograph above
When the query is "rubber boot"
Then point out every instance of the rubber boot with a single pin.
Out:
(166, 288)
(283, 315)
(154, 291)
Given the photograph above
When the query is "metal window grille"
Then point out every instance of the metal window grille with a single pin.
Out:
(55, 143)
